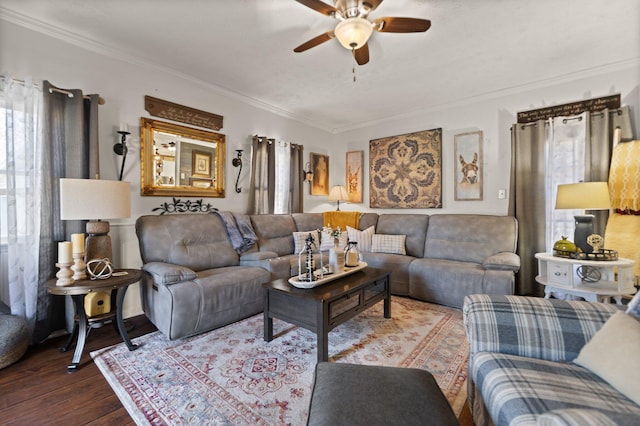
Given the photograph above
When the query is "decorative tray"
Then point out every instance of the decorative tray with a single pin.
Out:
(602, 255)
(294, 281)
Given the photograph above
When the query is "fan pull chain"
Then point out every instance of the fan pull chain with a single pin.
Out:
(353, 71)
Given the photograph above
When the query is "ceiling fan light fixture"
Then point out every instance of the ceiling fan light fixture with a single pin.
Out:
(353, 33)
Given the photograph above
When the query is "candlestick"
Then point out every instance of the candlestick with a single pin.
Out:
(77, 240)
(79, 267)
(64, 252)
(65, 274)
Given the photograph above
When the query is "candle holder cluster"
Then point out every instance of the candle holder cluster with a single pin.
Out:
(71, 261)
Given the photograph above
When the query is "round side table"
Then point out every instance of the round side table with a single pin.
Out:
(119, 281)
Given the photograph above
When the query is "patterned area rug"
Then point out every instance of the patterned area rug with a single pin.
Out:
(231, 376)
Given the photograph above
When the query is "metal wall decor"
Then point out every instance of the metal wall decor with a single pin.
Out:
(405, 171)
(187, 206)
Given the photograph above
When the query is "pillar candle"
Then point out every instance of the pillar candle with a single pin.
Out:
(77, 241)
(64, 252)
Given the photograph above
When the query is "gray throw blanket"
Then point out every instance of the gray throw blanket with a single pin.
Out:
(239, 229)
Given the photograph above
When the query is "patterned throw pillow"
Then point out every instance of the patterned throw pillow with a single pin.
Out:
(363, 238)
(385, 243)
(299, 239)
(633, 308)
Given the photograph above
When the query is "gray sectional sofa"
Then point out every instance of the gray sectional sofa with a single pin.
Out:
(195, 281)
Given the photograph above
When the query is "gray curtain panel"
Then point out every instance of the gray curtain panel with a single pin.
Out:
(296, 180)
(263, 176)
(70, 149)
(527, 198)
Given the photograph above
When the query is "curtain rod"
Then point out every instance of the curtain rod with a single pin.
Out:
(101, 100)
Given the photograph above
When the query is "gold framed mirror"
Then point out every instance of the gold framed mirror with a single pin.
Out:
(180, 161)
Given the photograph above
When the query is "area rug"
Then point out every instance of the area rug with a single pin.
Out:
(231, 376)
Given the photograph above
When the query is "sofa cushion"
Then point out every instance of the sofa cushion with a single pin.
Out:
(584, 416)
(612, 350)
(327, 241)
(274, 232)
(195, 241)
(414, 226)
(307, 221)
(363, 238)
(384, 243)
(469, 237)
(517, 390)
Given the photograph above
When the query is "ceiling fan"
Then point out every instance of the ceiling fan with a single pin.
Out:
(354, 29)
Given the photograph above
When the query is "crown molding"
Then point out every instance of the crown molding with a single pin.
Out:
(115, 53)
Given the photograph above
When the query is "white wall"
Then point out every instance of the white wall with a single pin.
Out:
(494, 117)
(123, 84)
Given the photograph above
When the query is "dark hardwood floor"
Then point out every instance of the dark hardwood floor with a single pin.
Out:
(37, 390)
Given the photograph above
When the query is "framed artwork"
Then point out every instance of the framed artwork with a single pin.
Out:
(355, 162)
(405, 171)
(320, 169)
(468, 166)
(201, 164)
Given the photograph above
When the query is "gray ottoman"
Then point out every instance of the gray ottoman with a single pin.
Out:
(350, 394)
(14, 339)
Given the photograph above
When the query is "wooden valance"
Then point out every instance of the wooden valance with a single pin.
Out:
(574, 108)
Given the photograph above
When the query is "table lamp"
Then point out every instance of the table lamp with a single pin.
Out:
(338, 193)
(94, 200)
(584, 196)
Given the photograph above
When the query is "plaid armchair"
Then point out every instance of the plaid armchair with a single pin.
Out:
(520, 370)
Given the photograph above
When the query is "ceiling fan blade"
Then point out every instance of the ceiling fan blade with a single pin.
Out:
(362, 55)
(319, 6)
(371, 4)
(315, 41)
(401, 25)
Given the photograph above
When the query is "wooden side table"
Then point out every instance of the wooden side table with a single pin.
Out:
(560, 274)
(120, 282)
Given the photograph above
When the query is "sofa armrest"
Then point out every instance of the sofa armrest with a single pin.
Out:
(168, 273)
(503, 261)
(279, 267)
(547, 329)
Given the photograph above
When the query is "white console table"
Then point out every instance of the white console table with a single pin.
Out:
(560, 274)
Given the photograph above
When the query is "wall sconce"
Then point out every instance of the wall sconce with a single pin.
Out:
(121, 149)
(308, 174)
(237, 162)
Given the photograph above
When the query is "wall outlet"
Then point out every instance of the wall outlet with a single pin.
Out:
(502, 194)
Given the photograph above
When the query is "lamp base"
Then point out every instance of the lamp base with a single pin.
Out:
(98, 243)
(584, 228)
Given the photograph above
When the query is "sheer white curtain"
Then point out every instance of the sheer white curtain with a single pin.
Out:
(565, 164)
(21, 165)
(282, 187)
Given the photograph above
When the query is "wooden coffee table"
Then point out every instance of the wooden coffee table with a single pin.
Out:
(321, 309)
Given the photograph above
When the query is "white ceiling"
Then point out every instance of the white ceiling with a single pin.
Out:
(474, 49)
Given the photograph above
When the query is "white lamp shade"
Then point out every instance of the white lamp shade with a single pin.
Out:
(338, 193)
(353, 33)
(85, 199)
(584, 196)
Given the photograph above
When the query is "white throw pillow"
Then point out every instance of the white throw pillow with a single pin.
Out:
(386, 243)
(363, 238)
(327, 243)
(299, 239)
(612, 354)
